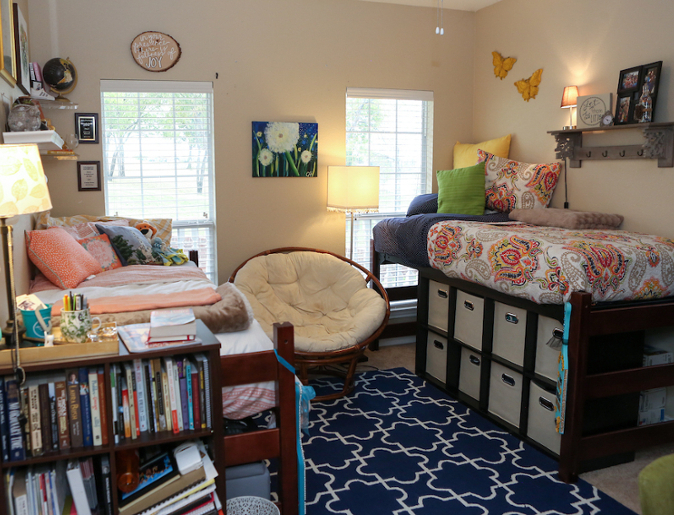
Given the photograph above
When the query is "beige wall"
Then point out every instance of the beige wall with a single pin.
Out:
(277, 60)
(587, 44)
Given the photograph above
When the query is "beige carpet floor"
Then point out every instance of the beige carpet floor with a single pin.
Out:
(620, 481)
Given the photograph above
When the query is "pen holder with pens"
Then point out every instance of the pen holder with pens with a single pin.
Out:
(76, 324)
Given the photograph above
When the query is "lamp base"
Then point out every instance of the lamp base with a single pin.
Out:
(568, 127)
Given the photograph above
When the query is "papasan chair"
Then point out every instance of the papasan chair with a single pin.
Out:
(327, 300)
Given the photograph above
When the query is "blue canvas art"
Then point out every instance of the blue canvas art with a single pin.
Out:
(285, 149)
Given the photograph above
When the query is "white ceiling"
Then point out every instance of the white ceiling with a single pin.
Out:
(461, 5)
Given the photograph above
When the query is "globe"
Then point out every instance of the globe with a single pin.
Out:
(60, 75)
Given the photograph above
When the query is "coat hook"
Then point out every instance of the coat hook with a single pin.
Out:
(640, 152)
(622, 153)
(605, 153)
(589, 154)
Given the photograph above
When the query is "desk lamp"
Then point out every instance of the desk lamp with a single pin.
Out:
(569, 97)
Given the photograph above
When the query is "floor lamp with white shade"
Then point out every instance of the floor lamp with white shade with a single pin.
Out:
(23, 190)
(353, 189)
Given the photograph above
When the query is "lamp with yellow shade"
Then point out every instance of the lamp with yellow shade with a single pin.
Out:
(23, 190)
(569, 101)
(353, 189)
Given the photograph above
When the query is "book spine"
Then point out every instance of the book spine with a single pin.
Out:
(202, 392)
(184, 401)
(179, 403)
(74, 408)
(147, 377)
(25, 419)
(140, 393)
(45, 416)
(172, 395)
(103, 404)
(17, 450)
(85, 406)
(207, 389)
(120, 403)
(130, 379)
(4, 423)
(113, 397)
(126, 412)
(62, 414)
(187, 366)
(165, 395)
(196, 395)
(35, 430)
(53, 417)
(94, 400)
(106, 489)
(76, 482)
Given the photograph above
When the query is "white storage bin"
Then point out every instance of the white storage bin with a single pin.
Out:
(438, 305)
(469, 373)
(468, 319)
(541, 425)
(547, 358)
(510, 330)
(505, 393)
(436, 356)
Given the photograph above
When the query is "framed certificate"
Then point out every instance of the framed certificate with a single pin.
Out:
(89, 176)
(86, 125)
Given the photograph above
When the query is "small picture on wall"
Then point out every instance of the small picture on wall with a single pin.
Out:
(646, 95)
(88, 176)
(622, 110)
(629, 79)
(285, 149)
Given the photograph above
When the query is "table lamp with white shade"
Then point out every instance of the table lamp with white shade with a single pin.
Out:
(23, 190)
(353, 189)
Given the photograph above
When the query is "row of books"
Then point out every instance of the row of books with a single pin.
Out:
(80, 487)
(160, 394)
(52, 412)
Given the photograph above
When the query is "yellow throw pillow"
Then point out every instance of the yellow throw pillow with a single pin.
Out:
(465, 154)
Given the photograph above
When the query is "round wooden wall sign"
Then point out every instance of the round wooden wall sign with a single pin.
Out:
(155, 51)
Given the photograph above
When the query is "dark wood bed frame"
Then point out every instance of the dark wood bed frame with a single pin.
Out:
(589, 322)
(280, 442)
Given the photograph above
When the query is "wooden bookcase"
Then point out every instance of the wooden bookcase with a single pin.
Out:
(210, 347)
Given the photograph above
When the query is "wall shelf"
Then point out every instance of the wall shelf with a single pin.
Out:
(658, 144)
(45, 140)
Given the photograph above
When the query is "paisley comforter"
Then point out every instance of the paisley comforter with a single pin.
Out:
(547, 264)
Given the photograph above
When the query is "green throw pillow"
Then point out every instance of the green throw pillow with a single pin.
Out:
(461, 191)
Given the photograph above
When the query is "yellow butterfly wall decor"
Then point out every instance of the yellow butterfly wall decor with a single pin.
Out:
(529, 87)
(502, 65)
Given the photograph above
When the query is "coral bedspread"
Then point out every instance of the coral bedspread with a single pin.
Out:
(547, 264)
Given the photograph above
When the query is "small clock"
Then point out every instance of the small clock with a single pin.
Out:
(606, 119)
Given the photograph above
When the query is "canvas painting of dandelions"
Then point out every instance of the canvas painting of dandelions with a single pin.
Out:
(285, 149)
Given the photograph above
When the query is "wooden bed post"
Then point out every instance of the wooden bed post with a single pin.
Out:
(579, 341)
(285, 421)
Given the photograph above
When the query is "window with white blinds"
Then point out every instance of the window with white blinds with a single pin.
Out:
(158, 158)
(392, 129)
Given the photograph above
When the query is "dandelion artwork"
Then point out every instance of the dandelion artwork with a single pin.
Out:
(285, 149)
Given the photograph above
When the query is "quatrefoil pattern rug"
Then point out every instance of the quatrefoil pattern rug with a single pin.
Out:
(398, 445)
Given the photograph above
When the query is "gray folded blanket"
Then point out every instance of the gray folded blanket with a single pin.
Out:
(566, 218)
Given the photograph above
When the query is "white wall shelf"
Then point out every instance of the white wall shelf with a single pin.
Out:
(45, 140)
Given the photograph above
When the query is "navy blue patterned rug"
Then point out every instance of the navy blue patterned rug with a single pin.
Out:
(398, 445)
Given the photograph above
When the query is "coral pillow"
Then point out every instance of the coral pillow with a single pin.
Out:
(466, 154)
(100, 247)
(510, 184)
(60, 258)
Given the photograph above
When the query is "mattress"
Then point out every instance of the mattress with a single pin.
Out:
(406, 238)
(547, 264)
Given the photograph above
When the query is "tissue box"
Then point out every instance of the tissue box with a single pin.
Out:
(655, 356)
(651, 416)
(655, 398)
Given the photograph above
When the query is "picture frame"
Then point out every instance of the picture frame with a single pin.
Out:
(644, 99)
(629, 80)
(623, 109)
(86, 127)
(21, 52)
(8, 61)
(88, 176)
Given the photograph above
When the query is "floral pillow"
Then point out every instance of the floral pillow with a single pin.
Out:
(88, 229)
(510, 184)
(129, 244)
(99, 246)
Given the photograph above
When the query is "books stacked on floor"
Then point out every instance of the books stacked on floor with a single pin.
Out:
(167, 327)
(160, 394)
(82, 486)
(52, 412)
(180, 481)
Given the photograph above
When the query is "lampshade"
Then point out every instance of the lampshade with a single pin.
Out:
(353, 188)
(569, 96)
(23, 186)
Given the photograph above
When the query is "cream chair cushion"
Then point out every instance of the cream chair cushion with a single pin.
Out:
(325, 298)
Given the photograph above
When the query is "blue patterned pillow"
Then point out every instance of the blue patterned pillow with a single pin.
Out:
(129, 243)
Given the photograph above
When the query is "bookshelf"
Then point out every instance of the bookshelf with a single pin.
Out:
(210, 348)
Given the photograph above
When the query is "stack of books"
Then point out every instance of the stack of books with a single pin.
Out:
(172, 326)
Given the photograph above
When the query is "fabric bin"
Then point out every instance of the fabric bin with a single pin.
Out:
(438, 305)
(469, 373)
(468, 319)
(510, 330)
(249, 479)
(541, 427)
(505, 393)
(436, 356)
(546, 357)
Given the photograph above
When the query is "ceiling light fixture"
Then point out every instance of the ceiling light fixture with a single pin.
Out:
(439, 29)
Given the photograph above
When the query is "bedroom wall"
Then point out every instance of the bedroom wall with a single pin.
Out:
(586, 44)
(288, 60)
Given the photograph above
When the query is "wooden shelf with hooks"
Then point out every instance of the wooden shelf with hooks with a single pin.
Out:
(658, 144)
